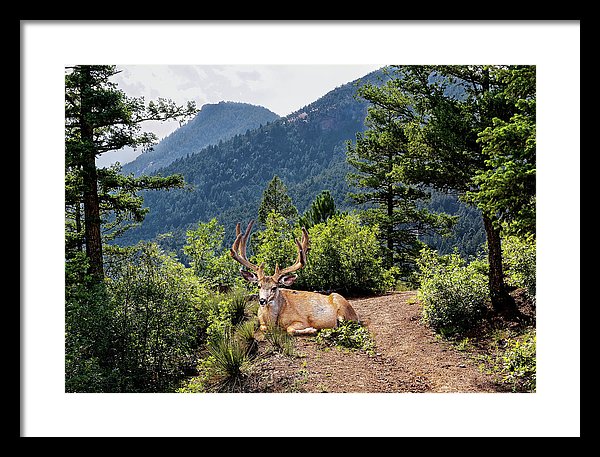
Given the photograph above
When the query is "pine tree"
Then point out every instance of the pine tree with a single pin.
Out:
(321, 209)
(275, 198)
(379, 158)
(459, 142)
(101, 118)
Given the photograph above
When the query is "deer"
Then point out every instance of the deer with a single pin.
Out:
(297, 312)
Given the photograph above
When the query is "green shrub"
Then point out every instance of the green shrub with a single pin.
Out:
(221, 310)
(275, 244)
(345, 256)
(154, 301)
(348, 334)
(519, 255)
(89, 333)
(453, 294)
(518, 363)
(245, 334)
(212, 264)
(228, 360)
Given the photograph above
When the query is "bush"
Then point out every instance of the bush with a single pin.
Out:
(275, 244)
(210, 263)
(229, 357)
(453, 294)
(513, 358)
(345, 257)
(519, 262)
(281, 341)
(518, 363)
(347, 334)
(88, 331)
(154, 301)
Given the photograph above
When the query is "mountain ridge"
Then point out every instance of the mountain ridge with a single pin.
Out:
(213, 123)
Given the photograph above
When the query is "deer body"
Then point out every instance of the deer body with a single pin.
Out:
(298, 312)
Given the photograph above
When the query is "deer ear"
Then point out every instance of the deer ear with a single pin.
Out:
(249, 276)
(287, 280)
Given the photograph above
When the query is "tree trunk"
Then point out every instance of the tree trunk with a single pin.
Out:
(93, 239)
(502, 302)
(91, 203)
(390, 226)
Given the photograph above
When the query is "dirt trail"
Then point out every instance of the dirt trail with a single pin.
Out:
(408, 358)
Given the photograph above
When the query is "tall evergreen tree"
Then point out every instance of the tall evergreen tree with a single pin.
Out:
(506, 187)
(457, 142)
(378, 158)
(100, 118)
(275, 198)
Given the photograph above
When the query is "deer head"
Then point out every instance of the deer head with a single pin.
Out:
(269, 285)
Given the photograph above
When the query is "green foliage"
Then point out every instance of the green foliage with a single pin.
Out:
(204, 249)
(276, 199)
(88, 331)
(519, 256)
(321, 209)
(519, 363)
(344, 256)
(514, 360)
(245, 332)
(379, 159)
(220, 311)
(229, 359)
(275, 244)
(348, 334)
(154, 301)
(506, 186)
(453, 294)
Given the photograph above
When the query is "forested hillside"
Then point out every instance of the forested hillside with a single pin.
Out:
(213, 123)
(306, 149)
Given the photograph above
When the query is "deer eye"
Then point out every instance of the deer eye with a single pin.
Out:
(273, 289)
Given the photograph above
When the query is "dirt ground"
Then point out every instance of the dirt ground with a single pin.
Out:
(408, 358)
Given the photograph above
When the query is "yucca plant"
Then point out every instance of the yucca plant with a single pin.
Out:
(244, 333)
(230, 360)
(280, 340)
(237, 307)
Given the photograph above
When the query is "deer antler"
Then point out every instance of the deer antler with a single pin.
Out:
(238, 250)
(303, 248)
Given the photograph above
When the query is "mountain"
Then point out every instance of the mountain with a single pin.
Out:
(213, 123)
(306, 149)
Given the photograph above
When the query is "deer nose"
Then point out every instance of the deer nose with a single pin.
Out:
(262, 301)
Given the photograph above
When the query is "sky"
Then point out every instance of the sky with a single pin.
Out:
(282, 89)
